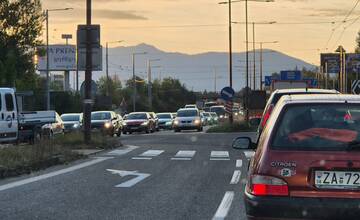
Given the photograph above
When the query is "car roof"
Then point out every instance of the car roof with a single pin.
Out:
(282, 91)
(188, 109)
(320, 98)
(7, 90)
(139, 113)
(102, 112)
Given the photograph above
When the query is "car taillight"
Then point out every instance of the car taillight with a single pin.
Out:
(267, 116)
(268, 186)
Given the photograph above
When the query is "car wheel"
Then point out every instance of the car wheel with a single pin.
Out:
(124, 132)
(118, 133)
(147, 131)
(177, 130)
(130, 132)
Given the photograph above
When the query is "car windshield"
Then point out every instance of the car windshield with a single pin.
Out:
(206, 114)
(317, 127)
(187, 113)
(70, 117)
(136, 116)
(164, 116)
(101, 116)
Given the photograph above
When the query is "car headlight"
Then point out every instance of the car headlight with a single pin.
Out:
(176, 122)
(197, 121)
(124, 124)
(76, 126)
(107, 125)
(221, 116)
(236, 114)
(145, 123)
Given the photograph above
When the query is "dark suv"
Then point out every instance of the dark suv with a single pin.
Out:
(307, 162)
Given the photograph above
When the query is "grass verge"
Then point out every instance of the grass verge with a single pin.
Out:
(16, 160)
(228, 128)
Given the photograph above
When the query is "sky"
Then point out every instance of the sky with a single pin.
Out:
(303, 28)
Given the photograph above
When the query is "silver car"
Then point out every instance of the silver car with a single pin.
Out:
(188, 119)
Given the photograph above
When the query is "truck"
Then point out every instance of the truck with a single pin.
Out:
(16, 126)
(288, 84)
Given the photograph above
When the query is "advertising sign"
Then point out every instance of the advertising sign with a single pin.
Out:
(61, 58)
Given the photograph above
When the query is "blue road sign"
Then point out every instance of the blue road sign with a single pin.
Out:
(227, 93)
(268, 80)
(312, 82)
(290, 75)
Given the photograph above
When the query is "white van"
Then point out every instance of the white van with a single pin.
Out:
(8, 115)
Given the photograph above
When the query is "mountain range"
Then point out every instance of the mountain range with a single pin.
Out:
(196, 71)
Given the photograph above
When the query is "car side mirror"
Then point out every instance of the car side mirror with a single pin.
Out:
(243, 143)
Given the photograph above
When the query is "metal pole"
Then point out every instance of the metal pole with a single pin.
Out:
(261, 65)
(345, 73)
(134, 83)
(149, 85)
(247, 64)
(215, 80)
(254, 53)
(326, 76)
(47, 63)
(231, 119)
(88, 76)
(77, 69)
(107, 70)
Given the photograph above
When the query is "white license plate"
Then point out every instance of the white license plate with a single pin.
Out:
(337, 179)
(134, 128)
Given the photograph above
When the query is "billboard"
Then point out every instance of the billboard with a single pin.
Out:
(290, 75)
(61, 58)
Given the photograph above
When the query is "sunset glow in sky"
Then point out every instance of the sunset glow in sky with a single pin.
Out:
(196, 26)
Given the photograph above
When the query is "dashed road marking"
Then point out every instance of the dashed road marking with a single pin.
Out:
(141, 158)
(238, 163)
(123, 151)
(151, 153)
(236, 177)
(52, 174)
(185, 153)
(218, 154)
(219, 158)
(181, 158)
(224, 206)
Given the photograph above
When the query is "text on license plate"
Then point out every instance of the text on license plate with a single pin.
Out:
(337, 179)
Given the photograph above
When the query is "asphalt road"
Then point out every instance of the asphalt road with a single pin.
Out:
(164, 175)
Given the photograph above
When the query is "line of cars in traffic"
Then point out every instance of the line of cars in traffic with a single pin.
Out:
(307, 157)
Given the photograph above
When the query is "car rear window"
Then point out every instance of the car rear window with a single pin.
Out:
(101, 116)
(317, 127)
(187, 113)
(137, 116)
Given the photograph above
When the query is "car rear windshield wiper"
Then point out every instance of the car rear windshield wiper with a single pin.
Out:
(353, 145)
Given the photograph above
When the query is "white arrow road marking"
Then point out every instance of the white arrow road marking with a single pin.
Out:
(249, 154)
(151, 153)
(236, 177)
(224, 206)
(52, 174)
(123, 151)
(238, 163)
(139, 177)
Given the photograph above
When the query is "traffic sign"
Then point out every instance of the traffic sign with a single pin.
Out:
(229, 106)
(355, 87)
(312, 82)
(290, 75)
(95, 36)
(94, 89)
(227, 93)
(268, 80)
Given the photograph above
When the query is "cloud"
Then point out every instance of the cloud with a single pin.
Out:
(118, 14)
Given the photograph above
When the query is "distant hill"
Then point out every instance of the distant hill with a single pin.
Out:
(197, 71)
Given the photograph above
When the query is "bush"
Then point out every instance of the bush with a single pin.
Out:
(235, 127)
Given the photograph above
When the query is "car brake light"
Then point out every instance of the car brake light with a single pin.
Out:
(267, 115)
(268, 186)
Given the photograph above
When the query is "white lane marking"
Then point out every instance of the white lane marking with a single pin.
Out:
(224, 206)
(219, 158)
(236, 177)
(181, 158)
(249, 154)
(52, 174)
(185, 153)
(238, 163)
(151, 153)
(139, 177)
(219, 154)
(121, 152)
(141, 158)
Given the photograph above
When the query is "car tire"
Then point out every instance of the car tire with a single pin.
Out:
(147, 130)
(124, 132)
(118, 133)
(130, 132)
(177, 130)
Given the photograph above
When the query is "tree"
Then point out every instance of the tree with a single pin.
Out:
(20, 28)
(115, 88)
(357, 49)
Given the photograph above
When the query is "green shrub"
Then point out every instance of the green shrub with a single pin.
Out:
(235, 127)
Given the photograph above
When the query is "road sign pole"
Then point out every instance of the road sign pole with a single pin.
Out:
(87, 105)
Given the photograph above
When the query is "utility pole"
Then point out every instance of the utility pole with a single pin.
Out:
(150, 83)
(107, 70)
(215, 80)
(47, 62)
(88, 76)
(261, 66)
(134, 79)
(247, 64)
(254, 53)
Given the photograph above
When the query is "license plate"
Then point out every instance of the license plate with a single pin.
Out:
(134, 128)
(337, 179)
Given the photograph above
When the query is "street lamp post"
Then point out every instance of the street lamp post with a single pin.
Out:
(134, 79)
(107, 66)
(48, 55)
(149, 82)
